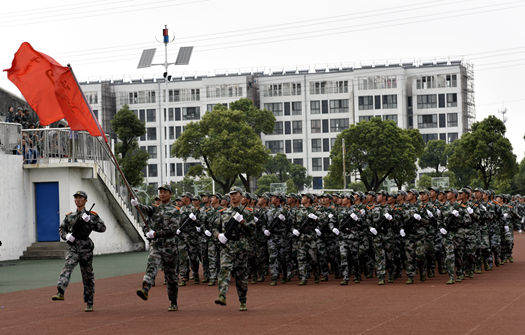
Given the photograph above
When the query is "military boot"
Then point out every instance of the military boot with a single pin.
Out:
(143, 293)
(243, 307)
(302, 282)
(450, 281)
(343, 282)
(221, 300)
(173, 308)
(511, 259)
(89, 308)
(431, 273)
(182, 282)
(381, 282)
(196, 280)
(410, 281)
(211, 282)
(324, 278)
(59, 295)
(273, 283)
(260, 279)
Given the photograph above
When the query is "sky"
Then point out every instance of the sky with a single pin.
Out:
(103, 39)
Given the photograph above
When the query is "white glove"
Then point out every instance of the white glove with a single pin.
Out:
(438, 212)
(505, 216)
(70, 237)
(318, 232)
(388, 216)
(429, 213)
(354, 217)
(134, 202)
(177, 232)
(312, 216)
(207, 233)
(281, 217)
(335, 231)
(402, 233)
(238, 217)
(519, 231)
(483, 207)
(362, 211)
(150, 234)
(266, 232)
(417, 217)
(296, 232)
(506, 228)
(455, 213)
(443, 231)
(523, 219)
(330, 215)
(222, 238)
(192, 217)
(470, 210)
(373, 230)
(198, 229)
(86, 217)
(255, 219)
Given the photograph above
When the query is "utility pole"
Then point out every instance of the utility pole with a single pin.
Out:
(503, 117)
(344, 164)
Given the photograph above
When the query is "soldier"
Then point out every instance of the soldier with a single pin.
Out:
(348, 232)
(230, 228)
(276, 229)
(213, 247)
(416, 220)
(261, 250)
(448, 228)
(164, 221)
(189, 231)
(75, 229)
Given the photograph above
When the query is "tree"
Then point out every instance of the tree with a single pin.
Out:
(278, 165)
(299, 177)
(435, 155)
(424, 182)
(263, 183)
(228, 145)
(486, 150)
(131, 158)
(375, 149)
(518, 181)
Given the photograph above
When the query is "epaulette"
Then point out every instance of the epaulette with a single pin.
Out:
(249, 209)
(369, 208)
(463, 205)
(220, 210)
(94, 213)
(177, 207)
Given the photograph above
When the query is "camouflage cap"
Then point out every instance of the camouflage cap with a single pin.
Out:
(166, 187)
(217, 195)
(401, 192)
(196, 197)
(187, 194)
(80, 194)
(309, 196)
(432, 188)
(372, 193)
(424, 192)
(236, 189)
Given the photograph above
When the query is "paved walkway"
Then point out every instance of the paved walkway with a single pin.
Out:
(28, 274)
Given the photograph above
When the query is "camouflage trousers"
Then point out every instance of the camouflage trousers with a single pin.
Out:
(415, 251)
(307, 256)
(85, 261)
(380, 256)
(191, 244)
(349, 251)
(328, 247)
(507, 242)
(203, 251)
(213, 259)
(495, 245)
(169, 261)
(469, 254)
(278, 253)
(485, 256)
(453, 254)
(184, 268)
(234, 262)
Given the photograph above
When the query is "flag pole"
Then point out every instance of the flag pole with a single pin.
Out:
(130, 190)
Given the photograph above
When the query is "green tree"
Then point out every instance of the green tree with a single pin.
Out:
(263, 183)
(228, 145)
(278, 165)
(518, 181)
(299, 177)
(435, 155)
(486, 150)
(375, 149)
(131, 158)
(424, 182)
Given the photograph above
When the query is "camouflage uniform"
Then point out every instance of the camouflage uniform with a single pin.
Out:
(213, 247)
(415, 240)
(80, 251)
(306, 243)
(277, 242)
(453, 239)
(191, 237)
(349, 232)
(261, 246)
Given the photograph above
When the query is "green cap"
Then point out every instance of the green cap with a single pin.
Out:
(166, 187)
(80, 194)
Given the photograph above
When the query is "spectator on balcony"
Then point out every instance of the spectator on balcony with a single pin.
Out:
(10, 117)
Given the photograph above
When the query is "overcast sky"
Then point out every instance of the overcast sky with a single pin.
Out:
(103, 39)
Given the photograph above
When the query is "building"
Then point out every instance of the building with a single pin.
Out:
(311, 107)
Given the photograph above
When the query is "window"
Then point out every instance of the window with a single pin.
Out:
(288, 146)
(443, 137)
(275, 146)
(315, 107)
(317, 183)
(441, 100)
(172, 133)
(297, 146)
(277, 128)
(426, 101)
(339, 106)
(287, 127)
(326, 144)
(426, 82)
(392, 117)
(95, 111)
(150, 115)
(172, 169)
(427, 121)
(316, 126)
(297, 127)
(442, 123)
(191, 113)
(276, 108)
(365, 118)
(275, 90)
(332, 142)
(325, 126)
(179, 170)
(341, 86)
(152, 170)
(390, 101)
(365, 102)
(316, 145)
(152, 151)
(171, 114)
(451, 80)
(177, 131)
(317, 164)
(298, 161)
(376, 82)
(297, 108)
(452, 137)
(337, 125)
(296, 89)
(318, 87)
(429, 137)
(177, 114)
(452, 119)
(187, 166)
(151, 133)
(220, 91)
(324, 107)
(286, 108)
(377, 100)
(326, 163)
(452, 100)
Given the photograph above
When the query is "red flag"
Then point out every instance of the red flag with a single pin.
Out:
(51, 90)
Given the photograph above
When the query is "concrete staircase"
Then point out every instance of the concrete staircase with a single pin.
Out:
(45, 250)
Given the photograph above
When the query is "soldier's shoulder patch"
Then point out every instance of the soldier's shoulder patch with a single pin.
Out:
(221, 210)
(249, 209)
(177, 207)
(93, 212)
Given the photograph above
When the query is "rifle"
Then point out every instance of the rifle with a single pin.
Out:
(80, 229)
(188, 220)
(232, 228)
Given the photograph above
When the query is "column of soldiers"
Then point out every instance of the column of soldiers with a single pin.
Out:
(352, 235)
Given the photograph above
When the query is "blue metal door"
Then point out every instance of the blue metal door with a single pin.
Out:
(47, 212)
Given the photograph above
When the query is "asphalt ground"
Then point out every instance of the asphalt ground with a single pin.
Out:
(490, 303)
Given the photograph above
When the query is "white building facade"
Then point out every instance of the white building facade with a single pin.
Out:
(311, 108)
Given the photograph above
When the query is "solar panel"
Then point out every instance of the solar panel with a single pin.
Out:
(146, 58)
(183, 58)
